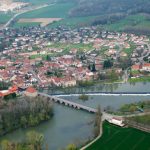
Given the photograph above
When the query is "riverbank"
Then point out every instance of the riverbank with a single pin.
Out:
(141, 79)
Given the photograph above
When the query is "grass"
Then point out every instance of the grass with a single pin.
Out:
(138, 20)
(73, 21)
(141, 79)
(18, 25)
(5, 17)
(54, 11)
(60, 10)
(39, 2)
(116, 138)
(141, 119)
(80, 46)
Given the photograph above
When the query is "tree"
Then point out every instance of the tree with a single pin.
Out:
(93, 69)
(5, 144)
(35, 138)
(23, 121)
(97, 121)
(132, 108)
(71, 147)
(48, 58)
(107, 64)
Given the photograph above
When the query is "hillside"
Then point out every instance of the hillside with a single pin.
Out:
(107, 7)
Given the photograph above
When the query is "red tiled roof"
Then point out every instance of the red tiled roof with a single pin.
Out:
(146, 65)
(13, 88)
(1, 94)
(31, 90)
(136, 67)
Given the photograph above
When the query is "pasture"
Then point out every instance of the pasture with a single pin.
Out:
(116, 138)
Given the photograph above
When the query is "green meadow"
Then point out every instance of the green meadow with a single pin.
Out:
(5, 17)
(137, 21)
(116, 138)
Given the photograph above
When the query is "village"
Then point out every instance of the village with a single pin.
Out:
(64, 57)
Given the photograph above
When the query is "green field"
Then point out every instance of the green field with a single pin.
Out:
(141, 79)
(60, 10)
(141, 119)
(38, 2)
(5, 17)
(55, 11)
(137, 21)
(80, 46)
(116, 138)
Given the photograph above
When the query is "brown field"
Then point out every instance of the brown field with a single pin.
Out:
(43, 21)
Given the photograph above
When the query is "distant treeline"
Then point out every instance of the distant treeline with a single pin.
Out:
(103, 7)
(111, 11)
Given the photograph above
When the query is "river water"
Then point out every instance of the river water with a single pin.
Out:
(76, 126)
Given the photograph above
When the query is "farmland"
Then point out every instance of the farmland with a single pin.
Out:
(43, 21)
(5, 17)
(116, 138)
(138, 20)
(47, 12)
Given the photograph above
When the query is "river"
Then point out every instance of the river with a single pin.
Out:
(75, 126)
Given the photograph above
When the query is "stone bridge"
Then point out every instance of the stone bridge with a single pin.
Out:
(69, 103)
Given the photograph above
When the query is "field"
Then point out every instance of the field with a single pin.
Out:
(43, 21)
(116, 138)
(52, 11)
(141, 79)
(5, 17)
(38, 2)
(141, 119)
(136, 21)
(60, 10)
(80, 46)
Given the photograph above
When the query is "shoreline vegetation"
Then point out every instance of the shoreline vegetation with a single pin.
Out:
(130, 109)
(33, 141)
(84, 97)
(23, 112)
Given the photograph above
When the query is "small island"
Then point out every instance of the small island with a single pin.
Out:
(84, 97)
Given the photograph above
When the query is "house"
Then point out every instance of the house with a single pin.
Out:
(68, 82)
(136, 67)
(146, 67)
(116, 121)
(56, 81)
(31, 92)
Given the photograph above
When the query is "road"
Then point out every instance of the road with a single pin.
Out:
(35, 75)
(141, 58)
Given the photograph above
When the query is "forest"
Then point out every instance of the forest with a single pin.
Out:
(107, 7)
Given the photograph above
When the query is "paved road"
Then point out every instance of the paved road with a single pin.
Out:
(36, 76)
(141, 58)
